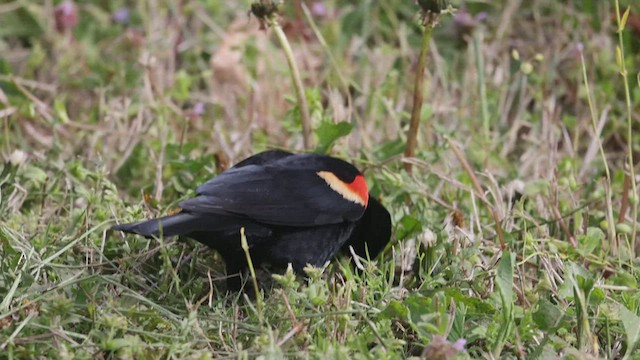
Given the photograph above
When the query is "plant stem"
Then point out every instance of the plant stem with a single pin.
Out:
(418, 95)
(245, 248)
(611, 229)
(343, 80)
(627, 92)
(297, 83)
(482, 87)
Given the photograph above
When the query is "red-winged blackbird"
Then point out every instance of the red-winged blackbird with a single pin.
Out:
(298, 209)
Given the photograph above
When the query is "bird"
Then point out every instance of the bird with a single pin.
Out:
(298, 209)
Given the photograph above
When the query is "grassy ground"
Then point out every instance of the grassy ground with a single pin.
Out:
(525, 129)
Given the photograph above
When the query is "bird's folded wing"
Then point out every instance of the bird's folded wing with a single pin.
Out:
(278, 196)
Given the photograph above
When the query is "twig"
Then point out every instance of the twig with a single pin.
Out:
(418, 97)
(293, 332)
(563, 224)
(298, 326)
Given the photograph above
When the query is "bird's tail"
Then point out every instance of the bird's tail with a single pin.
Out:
(171, 225)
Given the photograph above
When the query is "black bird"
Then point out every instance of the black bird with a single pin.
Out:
(295, 208)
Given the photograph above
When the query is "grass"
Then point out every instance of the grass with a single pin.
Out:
(528, 136)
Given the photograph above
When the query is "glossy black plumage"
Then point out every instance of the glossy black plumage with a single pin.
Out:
(286, 191)
(372, 232)
(290, 213)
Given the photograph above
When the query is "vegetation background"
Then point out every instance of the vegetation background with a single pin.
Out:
(115, 110)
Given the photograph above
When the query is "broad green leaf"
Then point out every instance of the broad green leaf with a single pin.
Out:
(572, 272)
(328, 132)
(581, 282)
(504, 280)
(390, 149)
(624, 279)
(418, 306)
(473, 304)
(35, 174)
(547, 315)
(395, 310)
(590, 241)
(409, 225)
(424, 317)
(504, 283)
(596, 297)
(20, 23)
(631, 323)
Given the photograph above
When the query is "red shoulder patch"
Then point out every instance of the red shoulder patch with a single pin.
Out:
(355, 191)
(359, 186)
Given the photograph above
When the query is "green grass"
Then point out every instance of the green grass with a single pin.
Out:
(120, 121)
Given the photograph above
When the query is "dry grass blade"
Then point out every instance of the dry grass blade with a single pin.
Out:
(478, 190)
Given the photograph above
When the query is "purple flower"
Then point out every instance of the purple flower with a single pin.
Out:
(198, 109)
(121, 16)
(459, 345)
(463, 18)
(318, 8)
(65, 15)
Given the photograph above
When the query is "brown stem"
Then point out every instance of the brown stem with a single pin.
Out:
(624, 204)
(418, 96)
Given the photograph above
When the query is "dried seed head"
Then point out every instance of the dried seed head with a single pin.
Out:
(433, 6)
(432, 11)
(265, 10)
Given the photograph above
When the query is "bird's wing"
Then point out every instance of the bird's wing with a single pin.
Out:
(277, 195)
(264, 157)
